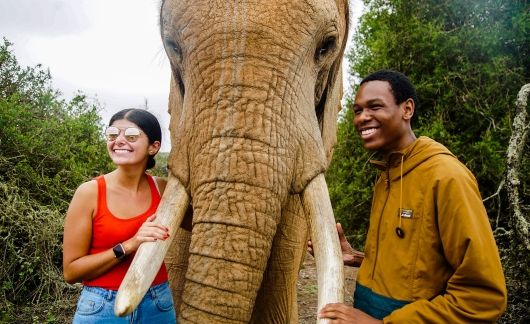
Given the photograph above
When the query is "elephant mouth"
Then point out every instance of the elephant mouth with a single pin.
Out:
(171, 211)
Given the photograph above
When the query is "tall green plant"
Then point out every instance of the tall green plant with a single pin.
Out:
(48, 146)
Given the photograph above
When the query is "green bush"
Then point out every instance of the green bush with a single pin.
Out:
(48, 146)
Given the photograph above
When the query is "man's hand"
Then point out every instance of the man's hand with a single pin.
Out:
(344, 314)
(350, 256)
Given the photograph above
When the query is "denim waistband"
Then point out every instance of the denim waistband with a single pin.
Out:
(111, 294)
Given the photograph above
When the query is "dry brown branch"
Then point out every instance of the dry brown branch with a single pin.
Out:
(513, 159)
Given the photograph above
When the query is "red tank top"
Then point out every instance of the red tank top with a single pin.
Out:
(109, 230)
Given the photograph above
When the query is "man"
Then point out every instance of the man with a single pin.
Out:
(430, 255)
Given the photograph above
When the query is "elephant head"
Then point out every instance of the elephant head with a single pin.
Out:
(254, 97)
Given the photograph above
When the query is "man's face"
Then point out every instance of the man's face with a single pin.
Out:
(383, 125)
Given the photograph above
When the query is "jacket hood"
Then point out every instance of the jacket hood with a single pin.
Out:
(422, 149)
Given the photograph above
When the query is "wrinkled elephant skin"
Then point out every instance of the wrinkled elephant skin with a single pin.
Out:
(255, 93)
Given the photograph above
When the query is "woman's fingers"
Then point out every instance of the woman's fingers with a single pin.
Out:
(150, 231)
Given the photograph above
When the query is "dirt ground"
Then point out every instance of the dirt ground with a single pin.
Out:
(307, 289)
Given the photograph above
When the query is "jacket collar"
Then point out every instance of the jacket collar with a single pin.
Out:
(413, 155)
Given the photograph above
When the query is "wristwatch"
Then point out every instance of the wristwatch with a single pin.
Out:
(119, 251)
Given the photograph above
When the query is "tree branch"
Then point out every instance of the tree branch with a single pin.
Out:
(513, 161)
(501, 185)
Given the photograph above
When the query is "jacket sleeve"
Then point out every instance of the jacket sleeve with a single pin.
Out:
(476, 291)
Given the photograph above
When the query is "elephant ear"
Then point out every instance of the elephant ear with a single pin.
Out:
(330, 103)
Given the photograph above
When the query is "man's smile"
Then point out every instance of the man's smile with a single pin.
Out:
(367, 132)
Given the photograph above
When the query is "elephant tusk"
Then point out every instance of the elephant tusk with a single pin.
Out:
(150, 255)
(326, 246)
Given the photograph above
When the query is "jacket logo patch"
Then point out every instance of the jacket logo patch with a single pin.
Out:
(405, 213)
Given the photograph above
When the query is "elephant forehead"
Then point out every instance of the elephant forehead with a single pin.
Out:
(254, 8)
(276, 18)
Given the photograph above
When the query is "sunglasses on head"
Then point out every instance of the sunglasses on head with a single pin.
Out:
(131, 134)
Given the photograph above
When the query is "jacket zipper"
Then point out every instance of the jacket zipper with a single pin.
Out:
(387, 186)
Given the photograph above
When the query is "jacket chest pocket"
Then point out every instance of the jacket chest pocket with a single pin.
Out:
(401, 218)
(401, 235)
(401, 226)
(406, 222)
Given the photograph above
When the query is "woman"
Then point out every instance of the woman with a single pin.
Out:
(109, 217)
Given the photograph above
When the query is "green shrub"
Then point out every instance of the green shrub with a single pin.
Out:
(48, 146)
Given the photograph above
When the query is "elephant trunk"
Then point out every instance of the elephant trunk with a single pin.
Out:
(235, 220)
(229, 252)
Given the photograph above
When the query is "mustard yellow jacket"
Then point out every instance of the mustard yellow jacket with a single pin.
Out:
(447, 264)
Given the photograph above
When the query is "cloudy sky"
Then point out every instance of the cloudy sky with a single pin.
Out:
(109, 49)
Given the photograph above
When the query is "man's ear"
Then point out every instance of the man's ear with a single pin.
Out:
(408, 107)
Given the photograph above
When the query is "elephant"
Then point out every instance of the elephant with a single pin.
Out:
(255, 93)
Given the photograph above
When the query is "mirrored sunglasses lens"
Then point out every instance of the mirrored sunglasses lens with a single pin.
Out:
(132, 131)
(132, 134)
(131, 138)
(112, 133)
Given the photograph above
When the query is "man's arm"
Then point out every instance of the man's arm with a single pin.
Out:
(350, 256)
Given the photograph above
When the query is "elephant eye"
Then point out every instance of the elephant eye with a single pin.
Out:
(327, 46)
(174, 53)
(175, 49)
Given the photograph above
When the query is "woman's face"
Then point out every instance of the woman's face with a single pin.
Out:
(126, 149)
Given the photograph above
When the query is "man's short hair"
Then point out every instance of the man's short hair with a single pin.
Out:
(401, 87)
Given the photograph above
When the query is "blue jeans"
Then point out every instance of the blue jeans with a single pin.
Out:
(96, 305)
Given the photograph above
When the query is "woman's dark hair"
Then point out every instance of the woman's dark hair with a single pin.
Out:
(147, 123)
(400, 85)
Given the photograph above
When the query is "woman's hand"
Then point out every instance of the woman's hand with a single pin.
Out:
(148, 232)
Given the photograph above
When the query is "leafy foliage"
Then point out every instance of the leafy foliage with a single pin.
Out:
(48, 146)
(160, 169)
(468, 60)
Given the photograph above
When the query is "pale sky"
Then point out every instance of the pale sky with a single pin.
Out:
(108, 49)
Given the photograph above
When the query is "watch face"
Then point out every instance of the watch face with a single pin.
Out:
(119, 252)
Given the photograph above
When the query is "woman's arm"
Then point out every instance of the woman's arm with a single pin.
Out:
(78, 265)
